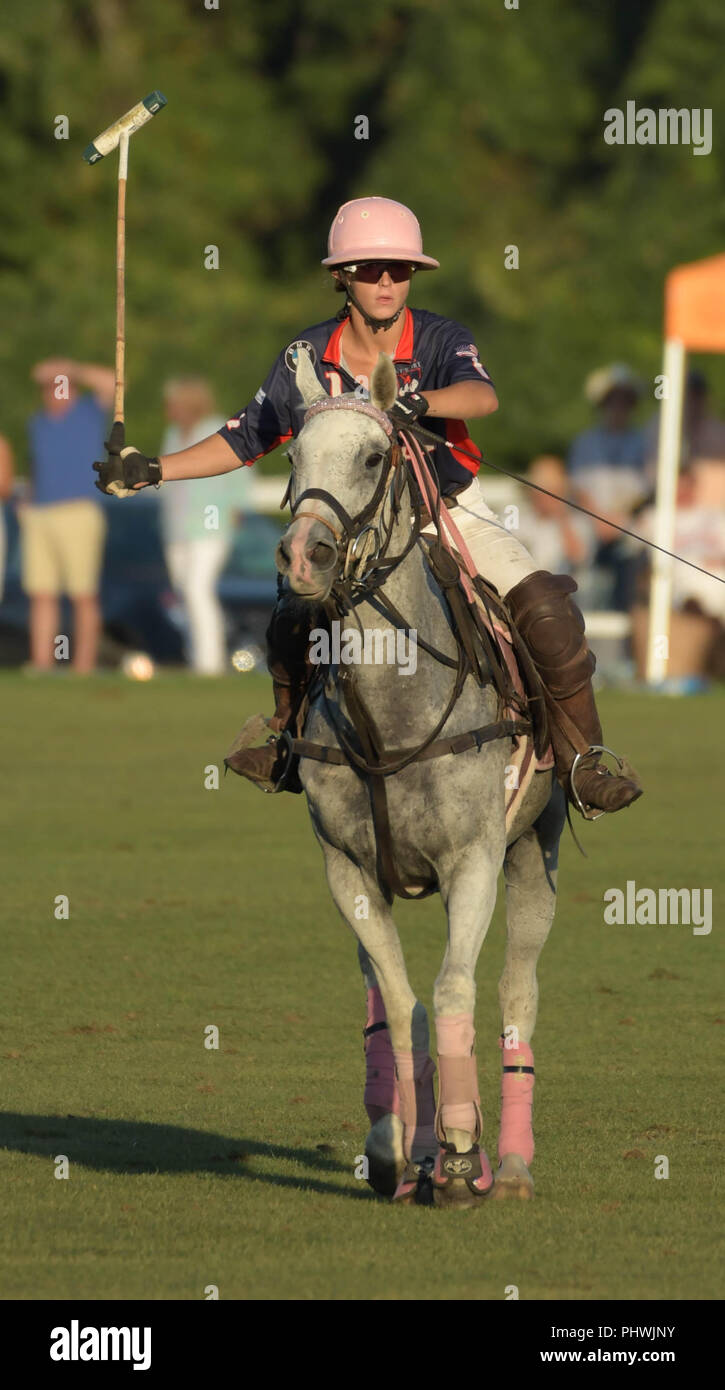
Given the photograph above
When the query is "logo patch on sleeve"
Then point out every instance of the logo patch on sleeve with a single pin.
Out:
(290, 356)
(470, 350)
(235, 422)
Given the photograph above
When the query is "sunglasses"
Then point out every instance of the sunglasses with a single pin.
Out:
(369, 272)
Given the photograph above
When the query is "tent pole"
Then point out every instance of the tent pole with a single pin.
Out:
(668, 462)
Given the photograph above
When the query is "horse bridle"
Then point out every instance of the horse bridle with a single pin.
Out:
(349, 536)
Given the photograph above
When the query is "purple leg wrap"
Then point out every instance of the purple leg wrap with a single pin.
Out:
(381, 1087)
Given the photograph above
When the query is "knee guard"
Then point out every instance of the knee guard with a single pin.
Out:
(552, 627)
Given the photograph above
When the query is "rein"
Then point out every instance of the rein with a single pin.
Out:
(422, 433)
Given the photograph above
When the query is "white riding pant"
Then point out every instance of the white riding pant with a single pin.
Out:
(194, 567)
(498, 556)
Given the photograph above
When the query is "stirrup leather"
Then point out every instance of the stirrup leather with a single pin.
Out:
(285, 737)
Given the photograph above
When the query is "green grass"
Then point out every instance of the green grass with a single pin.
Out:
(234, 1167)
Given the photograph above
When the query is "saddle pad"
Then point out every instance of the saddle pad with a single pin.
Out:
(522, 764)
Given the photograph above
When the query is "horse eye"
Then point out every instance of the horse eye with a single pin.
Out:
(374, 460)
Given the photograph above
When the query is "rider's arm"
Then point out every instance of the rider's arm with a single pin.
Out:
(263, 424)
(467, 400)
(464, 389)
(204, 460)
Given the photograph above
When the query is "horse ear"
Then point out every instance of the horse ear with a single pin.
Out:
(384, 383)
(308, 385)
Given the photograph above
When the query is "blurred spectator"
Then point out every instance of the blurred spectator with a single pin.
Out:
(560, 539)
(607, 467)
(698, 601)
(197, 520)
(703, 435)
(63, 526)
(6, 487)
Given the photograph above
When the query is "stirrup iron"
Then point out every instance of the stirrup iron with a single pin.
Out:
(595, 748)
(285, 737)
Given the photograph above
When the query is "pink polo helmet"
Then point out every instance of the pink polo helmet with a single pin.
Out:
(371, 229)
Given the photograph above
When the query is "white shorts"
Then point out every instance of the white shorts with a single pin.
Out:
(498, 556)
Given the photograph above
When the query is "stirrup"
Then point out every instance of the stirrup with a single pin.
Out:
(595, 748)
(248, 734)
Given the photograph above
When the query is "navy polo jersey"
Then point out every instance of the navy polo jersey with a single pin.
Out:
(433, 352)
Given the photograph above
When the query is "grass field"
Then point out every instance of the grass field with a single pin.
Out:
(235, 1167)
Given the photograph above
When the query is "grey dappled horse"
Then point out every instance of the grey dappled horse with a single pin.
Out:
(447, 819)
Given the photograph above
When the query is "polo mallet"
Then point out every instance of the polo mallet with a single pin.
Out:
(119, 134)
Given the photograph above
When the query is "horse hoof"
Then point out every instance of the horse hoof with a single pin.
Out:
(513, 1179)
(384, 1153)
(384, 1177)
(415, 1188)
(461, 1179)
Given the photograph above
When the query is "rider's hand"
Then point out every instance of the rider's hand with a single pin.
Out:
(408, 409)
(127, 472)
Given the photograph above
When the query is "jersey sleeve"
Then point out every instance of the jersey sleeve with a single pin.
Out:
(265, 422)
(458, 358)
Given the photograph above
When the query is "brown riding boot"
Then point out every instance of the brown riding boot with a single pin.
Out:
(552, 627)
(265, 765)
(287, 643)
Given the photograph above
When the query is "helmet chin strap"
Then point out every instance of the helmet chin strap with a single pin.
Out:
(375, 325)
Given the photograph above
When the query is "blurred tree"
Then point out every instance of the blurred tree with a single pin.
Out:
(488, 121)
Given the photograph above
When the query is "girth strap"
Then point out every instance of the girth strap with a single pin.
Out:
(456, 743)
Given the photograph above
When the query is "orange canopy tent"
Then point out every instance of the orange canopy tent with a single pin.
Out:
(695, 305)
(694, 322)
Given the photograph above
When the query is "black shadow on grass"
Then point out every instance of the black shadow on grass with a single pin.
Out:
(125, 1146)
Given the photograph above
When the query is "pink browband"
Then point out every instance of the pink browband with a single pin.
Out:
(345, 403)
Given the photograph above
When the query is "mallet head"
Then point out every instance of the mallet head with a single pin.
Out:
(128, 124)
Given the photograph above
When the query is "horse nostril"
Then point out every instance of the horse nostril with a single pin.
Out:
(283, 555)
(322, 555)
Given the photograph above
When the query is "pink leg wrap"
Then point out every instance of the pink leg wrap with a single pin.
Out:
(415, 1072)
(460, 1104)
(381, 1089)
(517, 1098)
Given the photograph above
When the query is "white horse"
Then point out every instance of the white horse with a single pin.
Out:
(446, 816)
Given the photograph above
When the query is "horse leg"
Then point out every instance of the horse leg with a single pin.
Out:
(462, 1174)
(530, 869)
(397, 1142)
